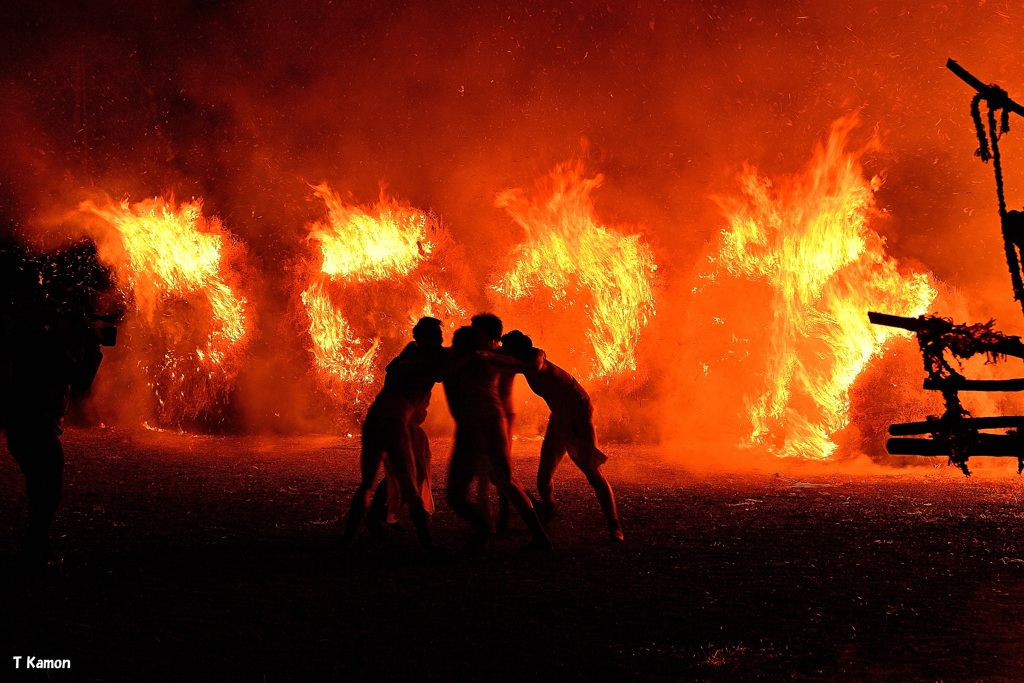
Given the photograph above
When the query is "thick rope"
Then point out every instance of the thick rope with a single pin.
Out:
(979, 128)
(988, 148)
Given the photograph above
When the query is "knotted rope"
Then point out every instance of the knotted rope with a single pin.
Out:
(988, 148)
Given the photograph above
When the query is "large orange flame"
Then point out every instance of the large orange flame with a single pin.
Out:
(808, 238)
(172, 262)
(377, 270)
(582, 263)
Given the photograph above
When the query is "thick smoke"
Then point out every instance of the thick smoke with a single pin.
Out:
(245, 104)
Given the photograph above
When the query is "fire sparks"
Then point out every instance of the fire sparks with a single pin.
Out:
(582, 262)
(173, 263)
(808, 239)
(378, 269)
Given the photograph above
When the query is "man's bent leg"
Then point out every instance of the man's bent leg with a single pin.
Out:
(369, 464)
(461, 470)
(505, 482)
(606, 498)
(552, 450)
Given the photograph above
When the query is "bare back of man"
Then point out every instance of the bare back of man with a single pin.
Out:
(389, 434)
(570, 429)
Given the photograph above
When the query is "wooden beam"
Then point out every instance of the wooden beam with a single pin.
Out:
(997, 445)
(889, 320)
(932, 426)
(1006, 345)
(974, 384)
(986, 90)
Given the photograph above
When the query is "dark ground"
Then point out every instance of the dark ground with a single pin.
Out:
(211, 559)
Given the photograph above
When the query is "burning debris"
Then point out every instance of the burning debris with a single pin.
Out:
(807, 243)
(581, 263)
(374, 271)
(180, 269)
(370, 271)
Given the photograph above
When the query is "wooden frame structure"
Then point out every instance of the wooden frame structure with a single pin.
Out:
(956, 434)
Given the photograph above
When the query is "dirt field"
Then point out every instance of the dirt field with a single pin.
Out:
(211, 559)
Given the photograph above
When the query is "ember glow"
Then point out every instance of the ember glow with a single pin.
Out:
(172, 262)
(374, 272)
(577, 261)
(809, 239)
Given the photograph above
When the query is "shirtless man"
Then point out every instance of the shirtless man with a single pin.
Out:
(489, 326)
(387, 499)
(388, 432)
(481, 437)
(570, 428)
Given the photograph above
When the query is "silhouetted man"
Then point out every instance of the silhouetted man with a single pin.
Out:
(49, 348)
(489, 327)
(425, 347)
(388, 431)
(481, 436)
(570, 429)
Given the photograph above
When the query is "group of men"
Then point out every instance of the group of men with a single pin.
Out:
(50, 348)
(477, 373)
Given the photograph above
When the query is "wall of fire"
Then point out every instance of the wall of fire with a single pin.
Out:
(689, 205)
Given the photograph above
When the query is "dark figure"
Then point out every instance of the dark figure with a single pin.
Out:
(50, 349)
(387, 436)
(489, 327)
(570, 429)
(481, 437)
(387, 499)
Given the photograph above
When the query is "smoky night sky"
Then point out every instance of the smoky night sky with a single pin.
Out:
(245, 104)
